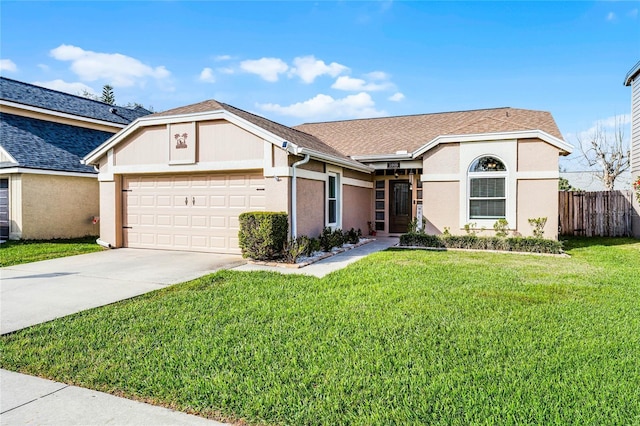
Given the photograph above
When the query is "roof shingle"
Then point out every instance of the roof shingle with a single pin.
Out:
(389, 135)
(36, 96)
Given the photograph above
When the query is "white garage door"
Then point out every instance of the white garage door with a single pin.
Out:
(185, 212)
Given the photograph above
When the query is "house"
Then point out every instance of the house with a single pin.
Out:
(45, 192)
(633, 79)
(180, 178)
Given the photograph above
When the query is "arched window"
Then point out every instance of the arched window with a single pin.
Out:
(487, 188)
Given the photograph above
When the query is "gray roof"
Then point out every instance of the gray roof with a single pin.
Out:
(36, 96)
(631, 74)
(40, 144)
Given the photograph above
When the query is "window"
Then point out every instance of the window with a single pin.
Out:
(487, 189)
(333, 193)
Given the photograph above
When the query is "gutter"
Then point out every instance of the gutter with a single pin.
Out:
(294, 193)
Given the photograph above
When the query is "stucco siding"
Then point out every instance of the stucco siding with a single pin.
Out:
(441, 206)
(110, 212)
(443, 159)
(353, 174)
(58, 206)
(535, 155)
(15, 206)
(310, 207)
(537, 198)
(357, 208)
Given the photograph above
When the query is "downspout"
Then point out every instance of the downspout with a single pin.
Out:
(294, 198)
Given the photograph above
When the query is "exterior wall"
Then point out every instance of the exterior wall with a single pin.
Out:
(538, 198)
(223, 141)
(635, 150)
(357, 208)
(58, 206)
(441, 206)
(353, 174)
(15, 206)
(148, 146)
(312, 165)
(535, 155)
(531, 185)
(111, 212)
(310, 207)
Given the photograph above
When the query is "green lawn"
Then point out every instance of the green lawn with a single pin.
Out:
(25, 251)
(402, 337)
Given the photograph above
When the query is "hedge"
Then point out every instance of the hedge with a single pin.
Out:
(520, 244)
(263, 235)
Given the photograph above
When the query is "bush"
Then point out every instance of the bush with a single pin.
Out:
(296, 248)
(538, 226)
(501, 227)
(263, 235)
(521, 244)
(352, 236)
(330, 239)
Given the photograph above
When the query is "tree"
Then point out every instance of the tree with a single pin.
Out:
(606, 152)
(564, 185)
(107, 95)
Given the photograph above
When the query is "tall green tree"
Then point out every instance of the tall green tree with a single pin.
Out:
(107, 95)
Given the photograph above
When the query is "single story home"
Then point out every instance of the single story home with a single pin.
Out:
(45, 191)
(179, 179)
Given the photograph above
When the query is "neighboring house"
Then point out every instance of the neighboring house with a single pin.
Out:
(180, 178)
(45, 191)
(633, 79)
(588, 180)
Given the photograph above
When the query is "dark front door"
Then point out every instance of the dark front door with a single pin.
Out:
(399, 206)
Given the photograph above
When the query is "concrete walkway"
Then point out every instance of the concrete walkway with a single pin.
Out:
(330, 264)
(41, 291)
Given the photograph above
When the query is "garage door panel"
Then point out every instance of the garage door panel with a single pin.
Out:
(158, 217)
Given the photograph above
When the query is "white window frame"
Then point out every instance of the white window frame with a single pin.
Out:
(337, 198)
(487, 222)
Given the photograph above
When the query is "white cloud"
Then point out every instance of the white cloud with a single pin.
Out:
(44, 67)
(226, 70)
(633, 13)
(396, 97)
(308, 68)
(221, 58)
(377, 76)
(8, 65)
(611, 16)
(119, 70)
(358, 85)
(267, 68)
(76, 88)
(207, 76)
(325, 107)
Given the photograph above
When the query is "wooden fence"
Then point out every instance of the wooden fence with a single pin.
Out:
(595, 214)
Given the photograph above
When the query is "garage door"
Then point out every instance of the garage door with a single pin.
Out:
(193, 213)
(4, 209)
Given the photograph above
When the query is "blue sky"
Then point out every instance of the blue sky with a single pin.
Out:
(296, 62)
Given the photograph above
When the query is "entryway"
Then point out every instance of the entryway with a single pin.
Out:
(399, 206)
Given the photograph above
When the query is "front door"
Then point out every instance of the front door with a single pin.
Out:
(399, 206)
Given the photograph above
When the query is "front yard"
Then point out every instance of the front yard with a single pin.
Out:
(402, 337)
(25, 251)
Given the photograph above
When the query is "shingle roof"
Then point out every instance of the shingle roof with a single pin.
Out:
(47, 145)
(389, 135)
(297, 137)
(36, 96)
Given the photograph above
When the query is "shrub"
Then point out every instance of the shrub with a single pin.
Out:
(501, 227)
(538, 226)
(296, 248)
(330, 239)
(263, 235)
(521, 244)
(352, 236)
(413, 225)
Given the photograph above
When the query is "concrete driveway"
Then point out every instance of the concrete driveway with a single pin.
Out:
(41, 291)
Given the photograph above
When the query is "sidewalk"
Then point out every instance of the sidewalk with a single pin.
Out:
(27, 400)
